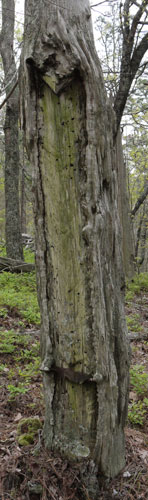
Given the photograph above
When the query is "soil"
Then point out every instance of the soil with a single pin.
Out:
(29, 472)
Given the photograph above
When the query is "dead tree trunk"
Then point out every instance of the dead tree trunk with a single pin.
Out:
(69, 135)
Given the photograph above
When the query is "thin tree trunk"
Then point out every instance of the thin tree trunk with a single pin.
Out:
(12, 214)
(142, 243)
(139, 233)
(69, 135)
(23, 196)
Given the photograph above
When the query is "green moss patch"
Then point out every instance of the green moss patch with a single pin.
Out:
(27, 430)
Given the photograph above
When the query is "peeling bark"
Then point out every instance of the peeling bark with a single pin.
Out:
(69, 128)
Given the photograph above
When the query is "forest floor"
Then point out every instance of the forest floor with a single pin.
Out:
(27, 471)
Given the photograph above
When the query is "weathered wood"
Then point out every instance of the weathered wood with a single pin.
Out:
(69, 128)
(15, 266)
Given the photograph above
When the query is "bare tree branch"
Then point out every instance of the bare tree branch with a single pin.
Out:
(140, 200)
(131, 56)
(9, 95)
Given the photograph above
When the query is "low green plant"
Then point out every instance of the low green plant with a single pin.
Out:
(139, 379)
(3, 312)
(136, 413)
(9, 339)
(11, 373)
(133, 322)
(31, 370)
(16, 390)
(29, 255)
(139, 283)
(18, 291)
(3, 367)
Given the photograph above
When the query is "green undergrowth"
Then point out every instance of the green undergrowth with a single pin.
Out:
(28, 254)
(18, 292)
(139, 384)
(20, 364)
(138, 284)
(133, 322)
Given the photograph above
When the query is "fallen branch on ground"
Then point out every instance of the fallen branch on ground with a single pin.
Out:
(15, 266)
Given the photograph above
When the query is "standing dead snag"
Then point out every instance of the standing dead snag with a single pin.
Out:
(69, 134)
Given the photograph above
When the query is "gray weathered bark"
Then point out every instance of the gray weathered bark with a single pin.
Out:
(69, 135)
(14, 246)
(124, 212)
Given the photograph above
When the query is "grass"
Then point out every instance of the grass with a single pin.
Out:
(18, 291)
(20, 352)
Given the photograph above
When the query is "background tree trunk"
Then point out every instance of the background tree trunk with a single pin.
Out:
(23, 193)
(12, 214)
(69, 135)
(124, 212)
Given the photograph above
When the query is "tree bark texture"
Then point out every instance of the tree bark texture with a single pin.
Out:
(124, 212)
(14, 246)
(69, 135)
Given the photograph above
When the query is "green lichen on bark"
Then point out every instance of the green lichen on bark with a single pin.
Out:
(63, 180)
(60, 165)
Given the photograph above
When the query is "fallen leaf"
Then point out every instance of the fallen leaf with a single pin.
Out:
(18, 417)
(144, 455)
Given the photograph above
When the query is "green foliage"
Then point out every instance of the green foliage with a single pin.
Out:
(136, 413)
(9, 340)
(3, 312)
(138, 379)
(139, 382)
(22, 350)
(139, 283)
(133, 322)
(3, 367)
(29, 256)
(15, 390)
(31, 370)
(19, 291)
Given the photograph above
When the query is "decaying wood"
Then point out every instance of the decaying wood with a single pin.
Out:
(69, 127)
(15, 266)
